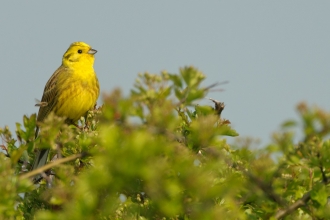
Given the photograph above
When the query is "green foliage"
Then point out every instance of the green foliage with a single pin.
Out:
(157, 154)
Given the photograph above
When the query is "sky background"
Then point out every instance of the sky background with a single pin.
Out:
(274, 54)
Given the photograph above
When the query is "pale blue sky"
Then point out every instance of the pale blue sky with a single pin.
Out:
(274, 54)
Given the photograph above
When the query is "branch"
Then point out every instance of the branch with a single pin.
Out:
(303, 200)
(299, 203)
(50, 165)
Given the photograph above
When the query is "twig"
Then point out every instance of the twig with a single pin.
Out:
(50, 165)
(299, 203)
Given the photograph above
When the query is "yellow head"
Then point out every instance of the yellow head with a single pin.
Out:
(78, 52)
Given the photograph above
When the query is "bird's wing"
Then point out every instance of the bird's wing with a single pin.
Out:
(47, 103)
(49, 97)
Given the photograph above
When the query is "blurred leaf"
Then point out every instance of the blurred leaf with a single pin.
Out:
(289, 123)
(319, 194)
(176, 80)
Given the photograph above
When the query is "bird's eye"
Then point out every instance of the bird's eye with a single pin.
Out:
(79, 51)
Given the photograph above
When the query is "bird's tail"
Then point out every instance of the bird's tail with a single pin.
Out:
(41, 157)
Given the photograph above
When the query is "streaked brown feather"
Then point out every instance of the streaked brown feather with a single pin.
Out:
(49, 95)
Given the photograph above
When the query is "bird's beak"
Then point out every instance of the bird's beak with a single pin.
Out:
(92, 51)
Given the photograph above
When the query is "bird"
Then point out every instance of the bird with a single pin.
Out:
(70, 92)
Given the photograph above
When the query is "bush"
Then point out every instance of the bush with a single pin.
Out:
(158, 155)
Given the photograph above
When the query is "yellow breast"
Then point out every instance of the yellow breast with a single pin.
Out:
(77, 93)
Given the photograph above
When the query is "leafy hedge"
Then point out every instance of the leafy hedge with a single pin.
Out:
(156, 154)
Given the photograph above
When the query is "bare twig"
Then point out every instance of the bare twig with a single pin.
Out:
(211, 86)
(215, 84)
(50, 165)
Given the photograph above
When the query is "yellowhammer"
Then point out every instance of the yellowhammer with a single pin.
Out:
(71, 91)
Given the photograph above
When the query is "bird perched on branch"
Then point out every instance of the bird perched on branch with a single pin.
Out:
(70, 92)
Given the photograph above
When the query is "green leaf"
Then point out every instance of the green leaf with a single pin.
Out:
(289, 123)
(191, 76)
(319, 194)
(176, 80)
